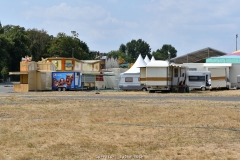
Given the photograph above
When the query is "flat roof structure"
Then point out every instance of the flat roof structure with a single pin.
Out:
(197, 56)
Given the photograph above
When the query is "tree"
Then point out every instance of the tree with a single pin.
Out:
(111, 63)
(116, 54)
(39, 43)
(134, 48)
(162, 54)
(19, 42)
(4, 56)
(122, 48)
(67, 46)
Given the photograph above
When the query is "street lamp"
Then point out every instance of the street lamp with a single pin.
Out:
(236, 41)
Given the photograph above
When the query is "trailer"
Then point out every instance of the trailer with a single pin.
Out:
(198, 79)
(162, 76)
(131, 81)
(63, 81)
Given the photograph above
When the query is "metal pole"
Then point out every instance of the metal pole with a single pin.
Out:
(72, 52)
(236, 41)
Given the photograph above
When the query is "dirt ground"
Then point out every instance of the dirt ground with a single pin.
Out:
(74, 125)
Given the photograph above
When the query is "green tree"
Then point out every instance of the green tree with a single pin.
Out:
(4, 56)
(162, 54)
(68, 46)
(19, 41)
(122, 48)
(134, 48)
(116, 54)
(39, 43)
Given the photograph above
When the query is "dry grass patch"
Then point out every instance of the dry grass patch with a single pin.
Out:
(37, 127)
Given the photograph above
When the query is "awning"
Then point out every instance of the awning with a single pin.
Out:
(17, 73)
(217, 65)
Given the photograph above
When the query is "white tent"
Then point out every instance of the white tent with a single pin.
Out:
(135, 68)
(153, 59)
(146, 59)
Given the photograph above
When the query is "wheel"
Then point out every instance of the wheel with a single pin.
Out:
(144, 89)
(59, 89)
(151, 91)
(203, 88)
(63, 89)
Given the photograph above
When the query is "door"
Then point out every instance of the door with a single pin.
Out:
(218, 77)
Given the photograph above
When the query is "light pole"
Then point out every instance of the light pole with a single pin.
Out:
(72, 52)
(236, 41)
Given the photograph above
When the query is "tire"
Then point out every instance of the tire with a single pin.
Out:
(203, 88)
(151, 91)
(144, 89)
(63, 89)
(59, 89)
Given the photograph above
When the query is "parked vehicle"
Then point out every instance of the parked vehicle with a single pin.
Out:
(131, 82)
(198, 79)
(162, 76)
(63, 81)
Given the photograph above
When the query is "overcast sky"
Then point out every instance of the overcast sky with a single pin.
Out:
(188, 25)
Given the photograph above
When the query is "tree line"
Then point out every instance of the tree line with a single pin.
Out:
(17, 42)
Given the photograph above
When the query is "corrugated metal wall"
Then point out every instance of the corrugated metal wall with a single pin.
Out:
(88, 78)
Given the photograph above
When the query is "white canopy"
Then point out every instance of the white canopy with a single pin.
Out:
(146, 59)
(153, 59)
(139, 63)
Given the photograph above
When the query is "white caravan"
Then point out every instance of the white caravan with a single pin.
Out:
(160, 76)
(220, 73)
(198, 79)
(130, 82)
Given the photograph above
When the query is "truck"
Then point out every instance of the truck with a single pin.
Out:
(63, 81)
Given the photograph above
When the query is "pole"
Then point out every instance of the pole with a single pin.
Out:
(236, 41)
(72, 52)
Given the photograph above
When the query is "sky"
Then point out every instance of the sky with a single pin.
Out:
(187, 25)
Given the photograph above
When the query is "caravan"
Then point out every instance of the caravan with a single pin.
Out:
(198, 79)
(130, 82)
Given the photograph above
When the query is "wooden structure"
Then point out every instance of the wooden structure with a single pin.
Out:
(34, 76)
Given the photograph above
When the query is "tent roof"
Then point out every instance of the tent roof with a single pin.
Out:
(139, 63)
(146, 59)
(198, 55)
(153, 59)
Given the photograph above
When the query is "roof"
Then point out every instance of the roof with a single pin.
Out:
(139, 63)
(153, 59)
(17, 73)
(158, 63)
(217, 65)
(91, 61)
(198, 55)
(146, 59)
(224, 59)
(124, 65)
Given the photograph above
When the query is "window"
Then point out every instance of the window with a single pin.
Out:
(197, 78)
(175, 72)
(128, 79)
(192, 69)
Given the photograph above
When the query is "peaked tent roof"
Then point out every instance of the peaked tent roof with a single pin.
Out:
(197, 55)
(153, 59)
(139, 63)
(146, 59)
